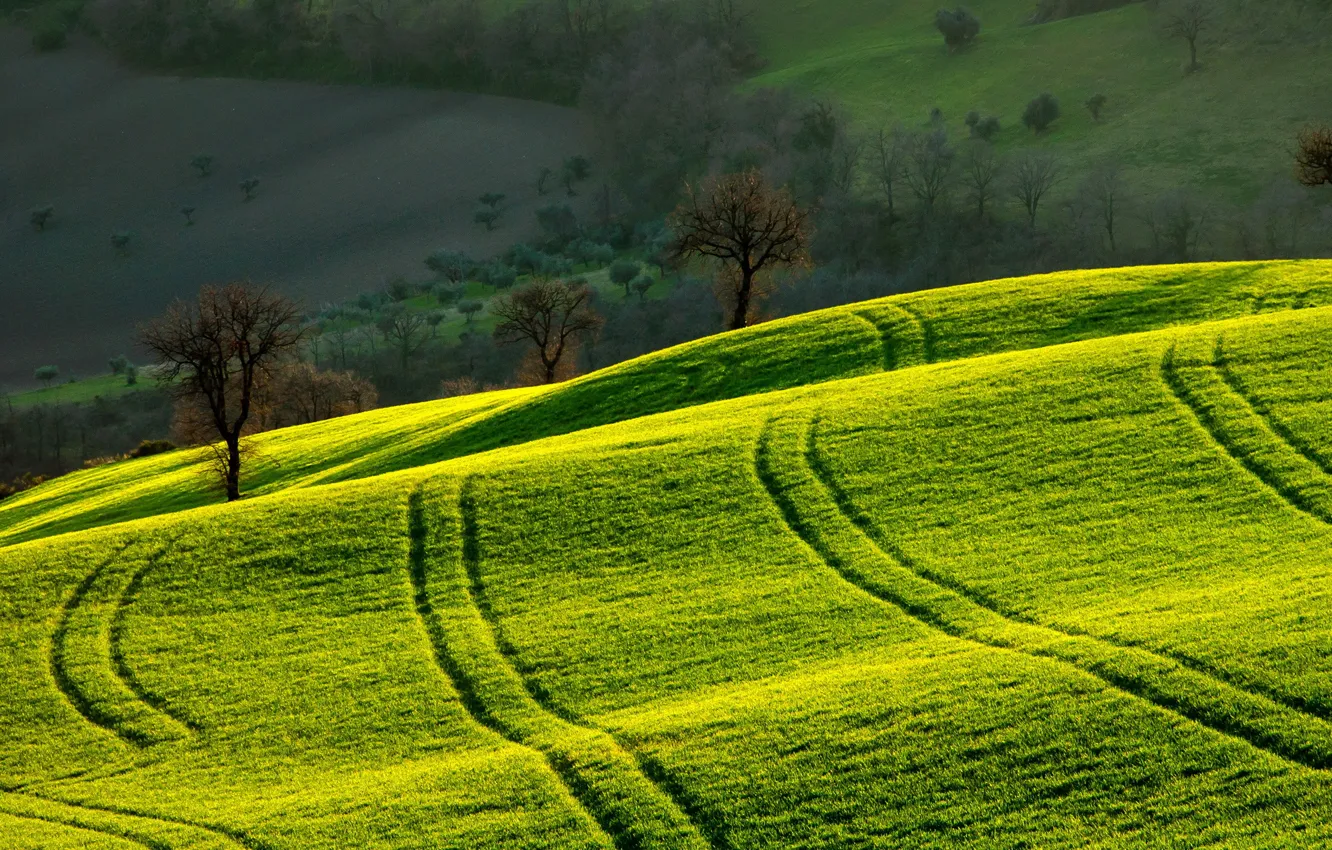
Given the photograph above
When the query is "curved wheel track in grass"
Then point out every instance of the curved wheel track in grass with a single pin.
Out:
(626, 808)
(152, 831)
(814, 515)
(903, 334)
(94, 676)
(1229, 417)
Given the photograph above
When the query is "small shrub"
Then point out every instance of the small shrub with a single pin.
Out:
(986, 129)
(131, 375)
(641, 285)
(959, 27)
(149, 448)
(487, 216)
(972, 121)
(203, 164)
(470, 308)
(543, 180)
(576, 170)
(119, 364)
(492, 199)
(1041, 113)
(188, 212)
(1095, 104)
(120, 241)
(41, 217)
(248, 187)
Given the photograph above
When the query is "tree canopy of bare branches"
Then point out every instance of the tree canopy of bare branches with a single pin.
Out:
(748, 226)
(1187, 19)
(1313, 160)
(552, 315)
(217, 350)
(1034, 175)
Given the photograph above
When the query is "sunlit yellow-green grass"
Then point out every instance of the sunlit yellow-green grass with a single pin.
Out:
(1051, 582)
(843, 342)
(1226, 128)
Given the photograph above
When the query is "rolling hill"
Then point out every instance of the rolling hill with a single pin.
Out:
(1037, 562)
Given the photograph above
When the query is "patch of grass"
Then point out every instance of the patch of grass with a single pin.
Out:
(80, 391)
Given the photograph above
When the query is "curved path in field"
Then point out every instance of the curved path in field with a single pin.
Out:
(788, 465)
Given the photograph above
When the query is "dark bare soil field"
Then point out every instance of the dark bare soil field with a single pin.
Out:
(357, 186)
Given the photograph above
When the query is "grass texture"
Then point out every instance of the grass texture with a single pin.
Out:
(1029, 563)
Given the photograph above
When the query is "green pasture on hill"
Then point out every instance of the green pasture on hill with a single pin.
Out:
(842, 342)
(1033, 563)
(1226, 130)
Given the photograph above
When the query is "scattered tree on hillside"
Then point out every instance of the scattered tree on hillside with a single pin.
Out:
(959, 27)
(41, 217)
(1041, 113)
(487, 216)
(118, 364)
(576, 170)
(1034, 175)
(46, 374)
(987, 129)
(248, 186)
(450, 265)
(748, 226)
(1095, 104)
(559, 223)
(543, 180)
(216, 351)
(203, 164)
(120, 241)
(554, 316)
(1187, 19)
(188, 212)
(641, 285)
(623, 273)
(1178, 222)
(470, 308)
(1313, 160)
(492, 199)
(981, 169)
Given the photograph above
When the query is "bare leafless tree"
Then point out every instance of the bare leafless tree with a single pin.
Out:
(928, 167)
(216, 350)
(748, 226)
(1035, 173)
(1187, 19)
(1103, 190)
(981, 169)
(1313, 160)
(552, 315)
(408, 330)
(889, 163)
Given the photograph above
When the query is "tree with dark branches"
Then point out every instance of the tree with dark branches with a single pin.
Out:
(1313, 160)
(1034, 175)
(554, 316)
(215, 352)
(748, 226)
(1187, 20)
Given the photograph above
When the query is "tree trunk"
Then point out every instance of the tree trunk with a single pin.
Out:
(1193, 54)
(233, 468)
(741, 316)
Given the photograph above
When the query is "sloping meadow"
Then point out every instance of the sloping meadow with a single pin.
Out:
(1050, 597)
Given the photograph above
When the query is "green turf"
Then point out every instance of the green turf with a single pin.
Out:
(1037, 563)
(79, 391)
(1227, 129)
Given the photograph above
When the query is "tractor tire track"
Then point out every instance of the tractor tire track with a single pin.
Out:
(234, 837)
(636, 812)
(845, 548)
(120, 662)
(1216, 426)
(901, 333)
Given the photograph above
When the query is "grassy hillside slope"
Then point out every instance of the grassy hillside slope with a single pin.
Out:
(1227, 129)
(1058, 596)
(895, 332)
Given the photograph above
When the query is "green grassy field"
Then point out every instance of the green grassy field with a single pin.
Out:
(1226, 130)
(1033, 563)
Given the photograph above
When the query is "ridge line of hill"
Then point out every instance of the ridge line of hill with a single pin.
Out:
(844, 547)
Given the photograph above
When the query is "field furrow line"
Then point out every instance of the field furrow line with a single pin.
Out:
(928, 342)
(227, 836)
(901, 333)
(120, 662)
(812, 512)
(624, 805)
(110, 710)
(152, 844)
(1232, 422)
